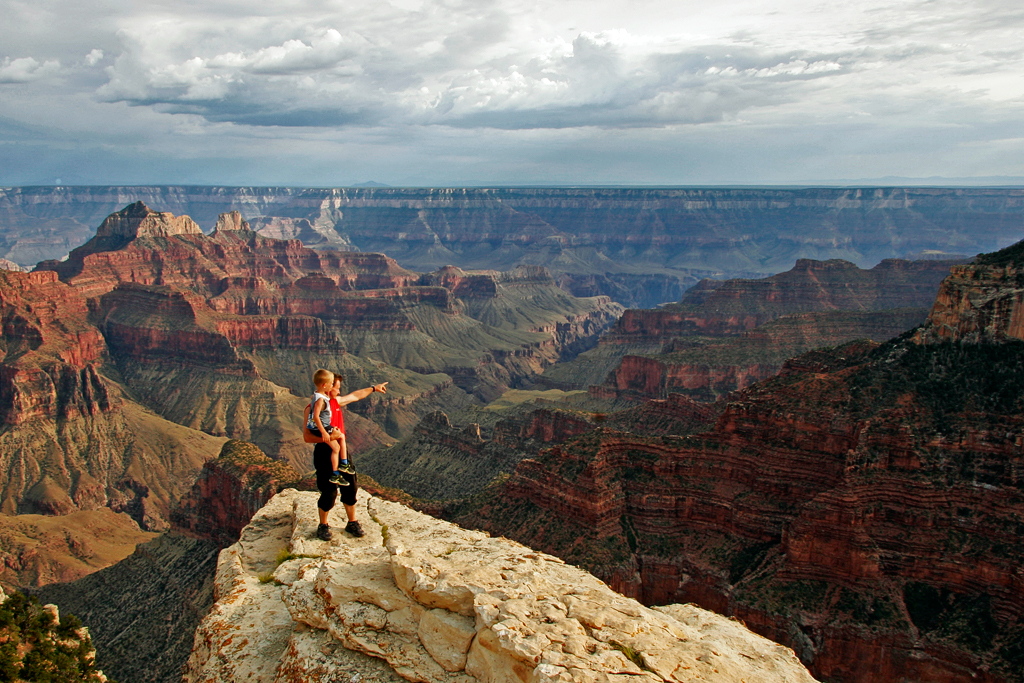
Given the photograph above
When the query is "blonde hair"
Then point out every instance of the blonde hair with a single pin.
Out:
(322, 376)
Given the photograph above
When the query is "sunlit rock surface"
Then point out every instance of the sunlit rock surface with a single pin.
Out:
(423, 600)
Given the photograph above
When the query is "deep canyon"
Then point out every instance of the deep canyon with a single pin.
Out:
(746, 399)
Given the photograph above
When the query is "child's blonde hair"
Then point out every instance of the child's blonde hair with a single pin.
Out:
(322, 376)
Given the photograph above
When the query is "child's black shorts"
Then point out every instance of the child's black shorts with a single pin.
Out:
(316, 432)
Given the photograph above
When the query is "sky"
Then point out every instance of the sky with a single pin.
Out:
(510, 92)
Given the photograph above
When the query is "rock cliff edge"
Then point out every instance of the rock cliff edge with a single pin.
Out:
(424, 600)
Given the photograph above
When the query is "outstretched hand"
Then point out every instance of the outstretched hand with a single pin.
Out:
(382, 387)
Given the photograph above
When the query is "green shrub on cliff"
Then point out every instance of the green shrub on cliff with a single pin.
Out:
(35, 646)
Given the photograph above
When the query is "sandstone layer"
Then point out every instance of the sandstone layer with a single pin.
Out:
(435, 603)
(642, 247)
(724, 336)
(863, 506)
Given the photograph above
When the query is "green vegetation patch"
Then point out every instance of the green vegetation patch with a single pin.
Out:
(35, 647)
(515, 397)
(965, 619)
(1012, 255)
(244, 458)
(947, 378)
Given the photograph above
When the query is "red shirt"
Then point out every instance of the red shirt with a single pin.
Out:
(337, 419)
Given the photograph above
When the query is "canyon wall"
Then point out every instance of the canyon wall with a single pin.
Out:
(863, 506)
(642, 247)
(725, 335)
(126, 366)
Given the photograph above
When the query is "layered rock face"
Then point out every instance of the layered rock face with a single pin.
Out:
(707, 368)
(126, 366)
(230, 490)
(862, 507)
(724, 336)
(70, 440)
(440, 461)
(422, 600)
(641, 247)
(982, 302)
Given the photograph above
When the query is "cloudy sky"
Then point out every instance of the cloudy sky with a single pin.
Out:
(478, 92)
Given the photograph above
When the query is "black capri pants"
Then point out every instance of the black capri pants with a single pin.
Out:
(329, 491)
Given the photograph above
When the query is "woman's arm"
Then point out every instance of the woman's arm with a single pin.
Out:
(360, 394)
(307, 435)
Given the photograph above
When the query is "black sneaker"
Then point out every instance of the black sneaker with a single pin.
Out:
(354, 529)
(323, 532)
(346, 468)
(339, 480)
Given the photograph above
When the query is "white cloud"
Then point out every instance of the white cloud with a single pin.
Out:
(26, 69)
(405, 71)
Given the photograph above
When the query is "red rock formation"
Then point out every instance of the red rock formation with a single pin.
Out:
(710, 369)
(49, 351)
(973, 304)
(775, 318)
(736, 306)
(229, 491)
(862, 507)
(219, 333)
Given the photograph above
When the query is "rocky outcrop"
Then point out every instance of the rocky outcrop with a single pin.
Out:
(230, 490)
(680, 347)
(138, 220)
(50, 350)
(422, 600)
(979, 303)
(737, 306)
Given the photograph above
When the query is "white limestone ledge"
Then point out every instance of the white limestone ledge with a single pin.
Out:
(424, 600)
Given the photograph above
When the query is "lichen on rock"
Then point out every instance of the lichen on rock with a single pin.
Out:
(424, 600)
